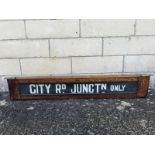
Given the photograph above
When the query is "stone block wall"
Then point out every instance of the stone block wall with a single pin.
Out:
(75, 47)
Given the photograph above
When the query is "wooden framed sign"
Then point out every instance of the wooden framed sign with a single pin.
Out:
(65, 87)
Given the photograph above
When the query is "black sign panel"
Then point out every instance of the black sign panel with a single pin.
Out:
(66, 87)
(36, 89)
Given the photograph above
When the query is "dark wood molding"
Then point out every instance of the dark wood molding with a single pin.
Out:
(142, 90)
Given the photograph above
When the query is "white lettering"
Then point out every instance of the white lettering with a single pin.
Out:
(104, 86)
(124, 87)
(48, 88)
(97, 87)
(78, 88)
(74, 89)
(91, 89)
(41, 88)
(32, 89)
(117, 87)
(63, 86)
(112, 87)
(85, 88)
(58, 88)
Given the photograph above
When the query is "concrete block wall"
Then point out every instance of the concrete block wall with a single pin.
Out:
(73, 47)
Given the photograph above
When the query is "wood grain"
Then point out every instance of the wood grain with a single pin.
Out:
(143, 83)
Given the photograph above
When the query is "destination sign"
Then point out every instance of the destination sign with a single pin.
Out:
(77, 88)
(66, 87)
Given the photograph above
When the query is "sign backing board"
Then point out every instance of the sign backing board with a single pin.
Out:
(65, 87)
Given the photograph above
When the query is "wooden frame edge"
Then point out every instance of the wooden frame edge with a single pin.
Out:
(143, 84)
